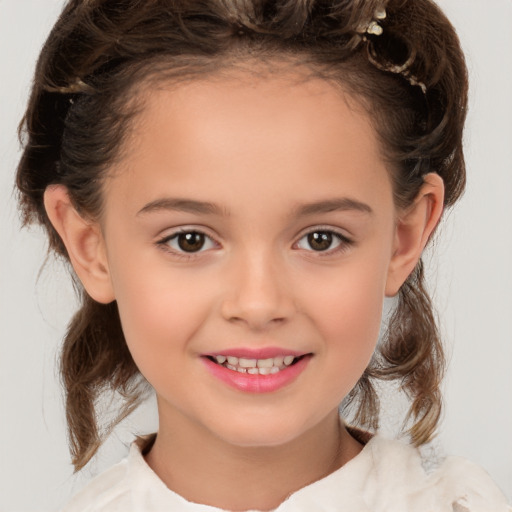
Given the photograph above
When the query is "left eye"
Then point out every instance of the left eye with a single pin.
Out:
(320, 241)
(189, 241)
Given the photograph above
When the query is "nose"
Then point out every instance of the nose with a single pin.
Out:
(258, 293)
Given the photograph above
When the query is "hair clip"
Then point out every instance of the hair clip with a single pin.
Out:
(402, 69)
(374, 28)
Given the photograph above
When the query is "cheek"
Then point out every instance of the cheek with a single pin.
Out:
(351, 300)
(157, 328)
(159, 310)
(347, 312)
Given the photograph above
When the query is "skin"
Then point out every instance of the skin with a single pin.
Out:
(260, 151)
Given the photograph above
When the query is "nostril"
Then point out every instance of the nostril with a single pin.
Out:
(257, 312)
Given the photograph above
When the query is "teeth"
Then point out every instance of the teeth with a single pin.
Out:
(288, 360)
(233, 361)
(268, 366)
(278, 361)
(247, 363)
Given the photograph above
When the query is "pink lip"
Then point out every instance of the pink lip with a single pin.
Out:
(256, 383)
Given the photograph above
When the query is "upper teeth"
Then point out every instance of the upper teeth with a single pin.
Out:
(255, 366)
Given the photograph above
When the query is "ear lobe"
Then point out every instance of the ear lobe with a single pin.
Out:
(413, 230)
(84, 243)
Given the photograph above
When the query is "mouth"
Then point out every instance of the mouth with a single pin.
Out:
(268, 366)
(257, 371)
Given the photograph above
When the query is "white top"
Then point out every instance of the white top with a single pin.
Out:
(386, 476)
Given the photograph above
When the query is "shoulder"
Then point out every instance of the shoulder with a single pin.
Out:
(107, 491)
(455, 485)
(112, 490)
(469, 485)
(130, 486)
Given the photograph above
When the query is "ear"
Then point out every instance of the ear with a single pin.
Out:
(414, 227)
(84, 242)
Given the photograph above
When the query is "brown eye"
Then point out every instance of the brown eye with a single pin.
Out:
(191, 242)
(188, 242)
(320, 240)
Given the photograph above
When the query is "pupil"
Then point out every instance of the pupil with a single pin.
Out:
(320, 240)
(191, 242)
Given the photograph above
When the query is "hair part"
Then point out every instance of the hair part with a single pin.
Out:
(102, 55)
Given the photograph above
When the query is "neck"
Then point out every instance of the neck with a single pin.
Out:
(205, 469)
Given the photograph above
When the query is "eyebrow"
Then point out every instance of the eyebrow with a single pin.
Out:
(184, 205)
(332, 205)
(207, 208)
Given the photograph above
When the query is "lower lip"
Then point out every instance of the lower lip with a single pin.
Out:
(257, 383)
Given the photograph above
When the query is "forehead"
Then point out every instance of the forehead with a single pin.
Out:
(243, 131)
(256, 100)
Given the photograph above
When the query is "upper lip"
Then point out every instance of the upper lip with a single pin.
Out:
(256, 353)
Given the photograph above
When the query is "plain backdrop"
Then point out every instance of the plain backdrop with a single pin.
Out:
(471, 273)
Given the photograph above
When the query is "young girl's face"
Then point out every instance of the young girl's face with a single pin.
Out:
(250, 221)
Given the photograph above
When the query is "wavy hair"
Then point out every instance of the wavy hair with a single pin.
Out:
(411, 79)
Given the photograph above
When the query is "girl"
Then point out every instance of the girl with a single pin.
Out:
(238, 186)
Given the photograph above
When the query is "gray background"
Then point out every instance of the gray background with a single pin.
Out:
(471, 272)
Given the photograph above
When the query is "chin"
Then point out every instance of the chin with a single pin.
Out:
(259, 434)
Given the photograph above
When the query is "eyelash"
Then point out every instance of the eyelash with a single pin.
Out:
(163, 243)
(343, 242)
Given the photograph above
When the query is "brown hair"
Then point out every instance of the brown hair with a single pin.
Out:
(411, 79)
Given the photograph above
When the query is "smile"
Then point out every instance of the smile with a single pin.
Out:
(268, 366)
(267, 373)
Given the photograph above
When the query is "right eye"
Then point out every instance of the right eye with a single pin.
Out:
(188, 242)
(323, 241)
(320, 241)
